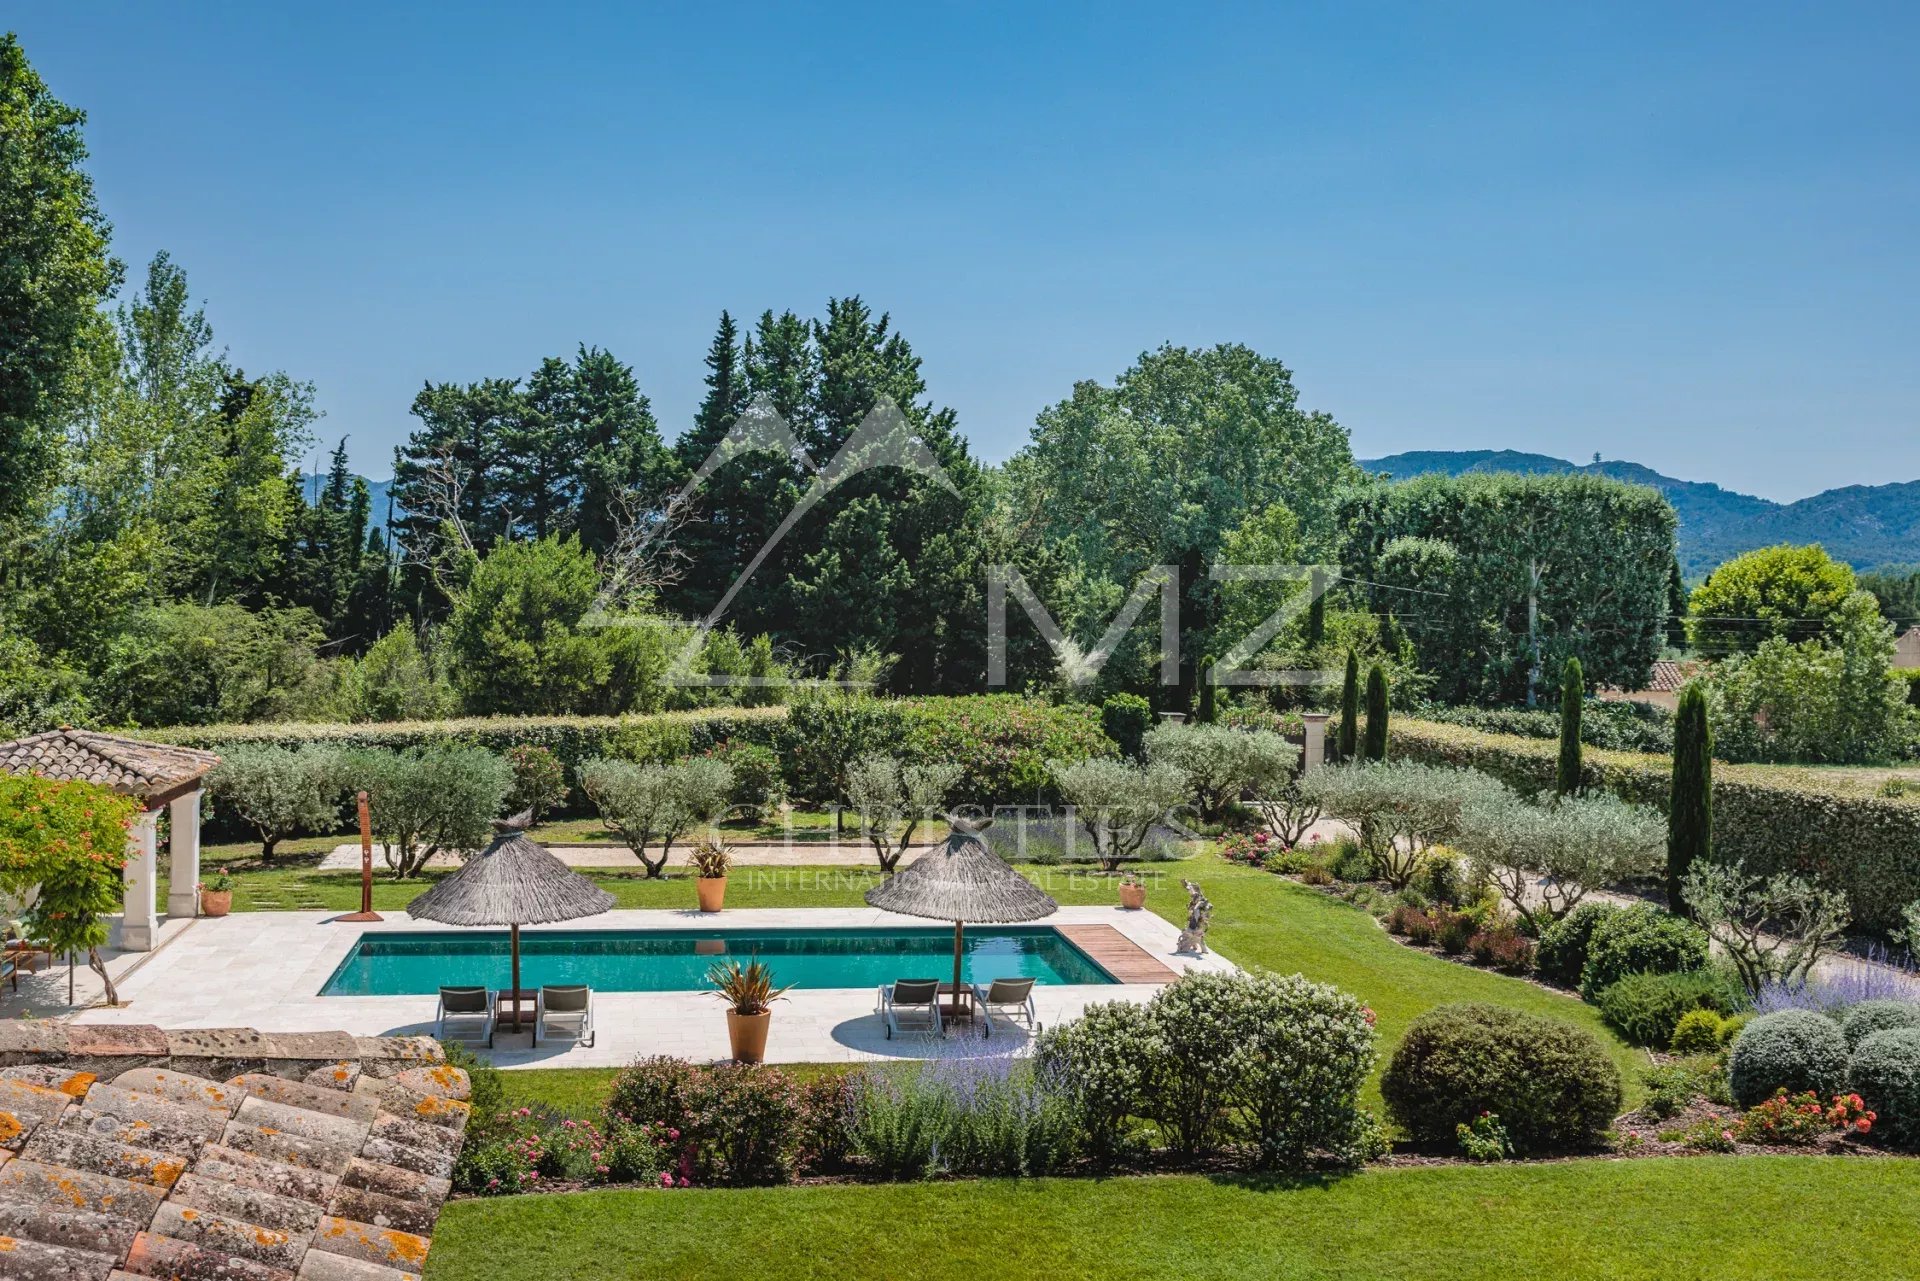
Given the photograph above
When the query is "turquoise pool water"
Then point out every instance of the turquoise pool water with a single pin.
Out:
(408, 963)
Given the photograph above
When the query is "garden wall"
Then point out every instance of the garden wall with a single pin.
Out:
(1832, 824)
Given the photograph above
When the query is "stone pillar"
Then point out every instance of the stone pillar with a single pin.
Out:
(183, 856)
(1316, 751)
(140, 927)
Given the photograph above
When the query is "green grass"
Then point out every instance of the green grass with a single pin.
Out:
(1709, 1217)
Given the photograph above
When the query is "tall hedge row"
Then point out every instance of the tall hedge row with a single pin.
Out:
(1830, 824)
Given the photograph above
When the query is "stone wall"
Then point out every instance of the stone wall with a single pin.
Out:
(224, 1153)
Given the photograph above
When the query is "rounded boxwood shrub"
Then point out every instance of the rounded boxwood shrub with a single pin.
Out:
(1886, 1076)
(1641, 939)
(1792, 1050)
(1563, 946)
(1550, 1083)
(1868, 1017)
(1646, 1008)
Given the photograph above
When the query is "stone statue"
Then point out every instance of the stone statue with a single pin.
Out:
(1199, 914)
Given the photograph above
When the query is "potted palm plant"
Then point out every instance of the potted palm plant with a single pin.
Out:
(1133, 892)
(216, 896)
(749, 993)
(711, 859)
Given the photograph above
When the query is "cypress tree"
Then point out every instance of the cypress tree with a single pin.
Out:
(1348, 743)
(1205, 713)
(1690, 820)
(1375, 748)
(1573, 691)
(1317, 612)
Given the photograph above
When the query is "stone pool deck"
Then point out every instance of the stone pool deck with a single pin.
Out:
(265, 969)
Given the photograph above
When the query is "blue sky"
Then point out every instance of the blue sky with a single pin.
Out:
(1678, 234)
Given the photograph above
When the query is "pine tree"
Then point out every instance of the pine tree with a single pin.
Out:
(1573, 691)
(1206, 709)
(1375, 747)
(1690, 820)
(1348, 744)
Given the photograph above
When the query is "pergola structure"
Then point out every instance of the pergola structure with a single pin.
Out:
(158, 776)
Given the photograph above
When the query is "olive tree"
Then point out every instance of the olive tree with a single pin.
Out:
(1773, 928)
(430, 800)
(1545, 858)
(1218, 763)
(656, 804)
(894, 799)
(1401, 810)
(1118, 803)
(278, 791)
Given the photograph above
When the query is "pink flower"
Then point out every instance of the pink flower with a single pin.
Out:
(666, 1180)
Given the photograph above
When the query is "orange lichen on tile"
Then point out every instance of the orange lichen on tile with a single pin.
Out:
(10, 1127)
(78, 1084)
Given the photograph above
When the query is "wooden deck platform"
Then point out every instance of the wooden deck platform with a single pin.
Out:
(1117, 954)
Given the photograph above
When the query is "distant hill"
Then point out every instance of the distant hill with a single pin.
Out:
(1865, 525)
(377, 489)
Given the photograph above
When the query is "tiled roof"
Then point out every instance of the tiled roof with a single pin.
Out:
(127, 765)
(1670, 677)
(126, 1151)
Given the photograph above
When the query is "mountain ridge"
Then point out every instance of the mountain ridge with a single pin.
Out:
(1864, 525)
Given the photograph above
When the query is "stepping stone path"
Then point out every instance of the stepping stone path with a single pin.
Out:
(221, 1154)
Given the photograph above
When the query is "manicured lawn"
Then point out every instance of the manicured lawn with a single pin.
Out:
(1708, 1217)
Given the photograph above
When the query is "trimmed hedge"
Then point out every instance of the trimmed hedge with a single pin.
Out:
(1827, 823)
(1002, 742)
(1886, 1074)
(1792, 1050)
(1550, 1083)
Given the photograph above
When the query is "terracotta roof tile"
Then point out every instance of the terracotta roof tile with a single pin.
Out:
(127, 765)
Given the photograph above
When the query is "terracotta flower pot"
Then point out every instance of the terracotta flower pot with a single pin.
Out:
(712, 890)
(216, 902)
(1132, 897)
(747, 1033)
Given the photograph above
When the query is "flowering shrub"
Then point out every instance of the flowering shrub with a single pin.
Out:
(730, 1124)
(1290, 862)
(975, 1115)
(1798, 1120)
(1484, 1139)
(1251, 848)
(535, 1147)
(1504, 948)
(1711, 1133)
(1103, 1057)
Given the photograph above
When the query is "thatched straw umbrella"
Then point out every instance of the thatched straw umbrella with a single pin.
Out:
(513, 882)
(962, 880)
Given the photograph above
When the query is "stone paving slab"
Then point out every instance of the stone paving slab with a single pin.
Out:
(268, 968)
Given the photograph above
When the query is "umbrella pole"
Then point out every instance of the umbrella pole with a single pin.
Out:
(514, 934)
(958, 926)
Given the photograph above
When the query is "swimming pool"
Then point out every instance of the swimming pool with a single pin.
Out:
(417, 963)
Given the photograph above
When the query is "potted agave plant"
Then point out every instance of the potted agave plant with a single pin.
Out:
(1133, 892)
(711, 859)
(749, 993)
(216, 896)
